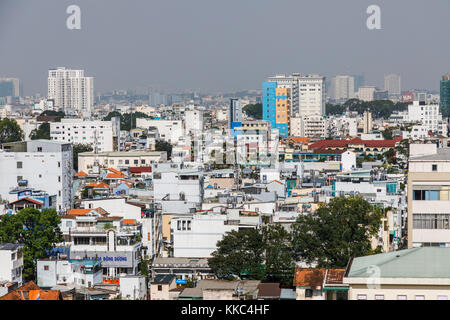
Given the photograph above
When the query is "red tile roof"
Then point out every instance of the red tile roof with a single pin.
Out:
(276, 181)
(380, 143)
(326, 151)
(31, 291)
(140, 169)
(100, 185)
(81, 174)
(112, 175)
(309, 277)
(101, 211)
(328, 143)
(299, 139)
(335, 276)
(30, 285)
(323, 144)
(115, 171)
(47, 118)
(29, 200)
(44, 295)
(78, 212)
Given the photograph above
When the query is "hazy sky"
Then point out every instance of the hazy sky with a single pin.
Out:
(223, 45)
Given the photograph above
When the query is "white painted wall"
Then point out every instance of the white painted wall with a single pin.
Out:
(169, 130)
(49, 170)
(201, 240)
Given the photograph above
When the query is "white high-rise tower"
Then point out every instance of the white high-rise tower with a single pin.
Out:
(342, 88)
(308, 93)
(392, 83)
(70, 89)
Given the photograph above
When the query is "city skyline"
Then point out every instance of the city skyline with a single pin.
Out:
(220, 47)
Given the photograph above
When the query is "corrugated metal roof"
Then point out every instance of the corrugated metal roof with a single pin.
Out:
(424, 262)
(441, 155)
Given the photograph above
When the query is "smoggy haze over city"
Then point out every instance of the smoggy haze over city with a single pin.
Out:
(223, 45)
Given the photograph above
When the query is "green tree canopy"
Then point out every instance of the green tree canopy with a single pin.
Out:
(79, 148)
(164, 146)
(10, 131)
(378, 108)
(239, 252)
(279, 260)
(37, 230)
(335, 232)
(51, 113)
(403, 151)
(254, 110)
(127, 120)
(334, 109)
(387, 134)
(143, 267)
(389, 156)
(42, 132)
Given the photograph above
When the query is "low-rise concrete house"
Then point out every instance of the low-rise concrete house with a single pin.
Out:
(320, 284)
(334, 286)
(133, 287)
(222, 290)
(160, 287)
(182, 268)
(309, 283)
(191, 294)
(118, 159)
(288, 294)
(411, 274)
(11, 263)
(81, 273)
(31, 291)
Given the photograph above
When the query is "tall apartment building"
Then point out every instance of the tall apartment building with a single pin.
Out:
(106, 133)
(427, 118)
(9, 87)
(445, 95)
(41, 164)
(313, 126)
(234, 113)
(367, 122)
(283, 110)
(296, 127)
(157, 99)
(71, 90)
(268, 102)
(392, 84)
(426, 114)
(193, 120)
(307, 92)
(342, 88)
(359, 81)
(366, 93)
(276, 104)
(253, 141)
(428, 196)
